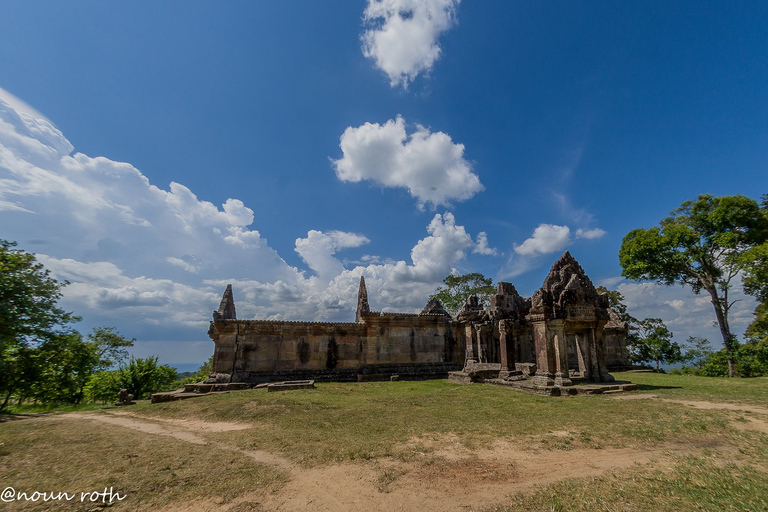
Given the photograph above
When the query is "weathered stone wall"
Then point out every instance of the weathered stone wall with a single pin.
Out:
(259, 350)
(616, 348)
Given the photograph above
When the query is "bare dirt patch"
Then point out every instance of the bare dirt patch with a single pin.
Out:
(633, 397)
(443, 475)
(447, 481)
(184, 430)
(720, 405)
(749, 423)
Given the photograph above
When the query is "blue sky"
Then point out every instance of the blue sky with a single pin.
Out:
(152, 152)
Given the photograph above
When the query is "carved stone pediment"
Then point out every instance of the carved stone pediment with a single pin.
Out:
(435, 307)
(567, 292)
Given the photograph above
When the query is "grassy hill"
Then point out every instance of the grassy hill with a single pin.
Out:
(679, 443)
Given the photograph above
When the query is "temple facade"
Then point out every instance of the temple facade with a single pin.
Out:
(564, 334)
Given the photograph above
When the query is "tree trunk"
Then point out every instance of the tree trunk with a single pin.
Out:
(7, 399)
(725, 330)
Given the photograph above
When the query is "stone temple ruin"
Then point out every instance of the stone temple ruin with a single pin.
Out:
(564, 335)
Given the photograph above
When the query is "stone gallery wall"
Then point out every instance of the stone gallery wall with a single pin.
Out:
(260, 351)
(566, 327)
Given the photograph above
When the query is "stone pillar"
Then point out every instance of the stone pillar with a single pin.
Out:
(601, 372)
(561, 354)
(582, 350)
(507, 349)
(470, 351)
(480, 351)
(545, 361)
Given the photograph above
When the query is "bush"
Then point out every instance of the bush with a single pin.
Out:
(102, 387)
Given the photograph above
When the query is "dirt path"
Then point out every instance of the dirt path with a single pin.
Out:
(184, 430)
(450, 478)
(748, 423)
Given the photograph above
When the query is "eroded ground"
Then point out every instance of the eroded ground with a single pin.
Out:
(443, 474)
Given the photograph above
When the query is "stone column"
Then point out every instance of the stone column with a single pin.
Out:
(507, 349)
(601, 372)
(470, 352)
(582, 350)
(561, 354)
(545, 361)
(480, 350)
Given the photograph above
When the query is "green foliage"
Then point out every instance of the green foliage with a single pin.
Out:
(753, 358)
(110, 347)
(716, 365)
(704, 244)
(42, 359)
(459, 287)
(28, 298)
(102, 387)
(29, 315)
(65, 364)
(142, 377)
(200, 375)
(697, 350)
(751, 361)
(653, 343)
(755, 261)
(205, 369)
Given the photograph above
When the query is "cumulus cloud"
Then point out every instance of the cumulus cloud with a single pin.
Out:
(685, 313)
(590, 234)
(482, 245)
(318, 248)
(430, 165)
(546, 238)
(331, 294)
(402, 35)
(154, 262)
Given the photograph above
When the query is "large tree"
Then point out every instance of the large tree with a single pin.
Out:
(29, 316)
(653, 343)
(458, 287)
(702, 244)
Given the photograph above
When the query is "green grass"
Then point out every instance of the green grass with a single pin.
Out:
(688, 387)
(338, 422)
(48, 408)
(407, 422)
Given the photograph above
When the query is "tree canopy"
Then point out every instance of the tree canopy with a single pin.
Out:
(703, 244)
(653, 343)
(458, 287)
(29, 316)
(41, 357)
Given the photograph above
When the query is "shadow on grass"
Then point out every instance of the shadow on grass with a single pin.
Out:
(9, 416)
(649, 387)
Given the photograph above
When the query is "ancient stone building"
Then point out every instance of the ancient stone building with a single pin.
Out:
(564, 334)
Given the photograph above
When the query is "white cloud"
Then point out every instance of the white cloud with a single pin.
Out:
(318, 248)
(546, 238)
(482, 245)
(332, 293)
(154, 262)
(685, 313)
(402, 35)
(429, 165)
(590, 234)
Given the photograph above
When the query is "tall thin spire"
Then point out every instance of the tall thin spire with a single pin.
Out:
(362, 302)
(226, 309)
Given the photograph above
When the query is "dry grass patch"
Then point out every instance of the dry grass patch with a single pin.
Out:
(76, 455)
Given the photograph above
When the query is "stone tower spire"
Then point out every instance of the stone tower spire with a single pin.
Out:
(362, 302)
(226, 309)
